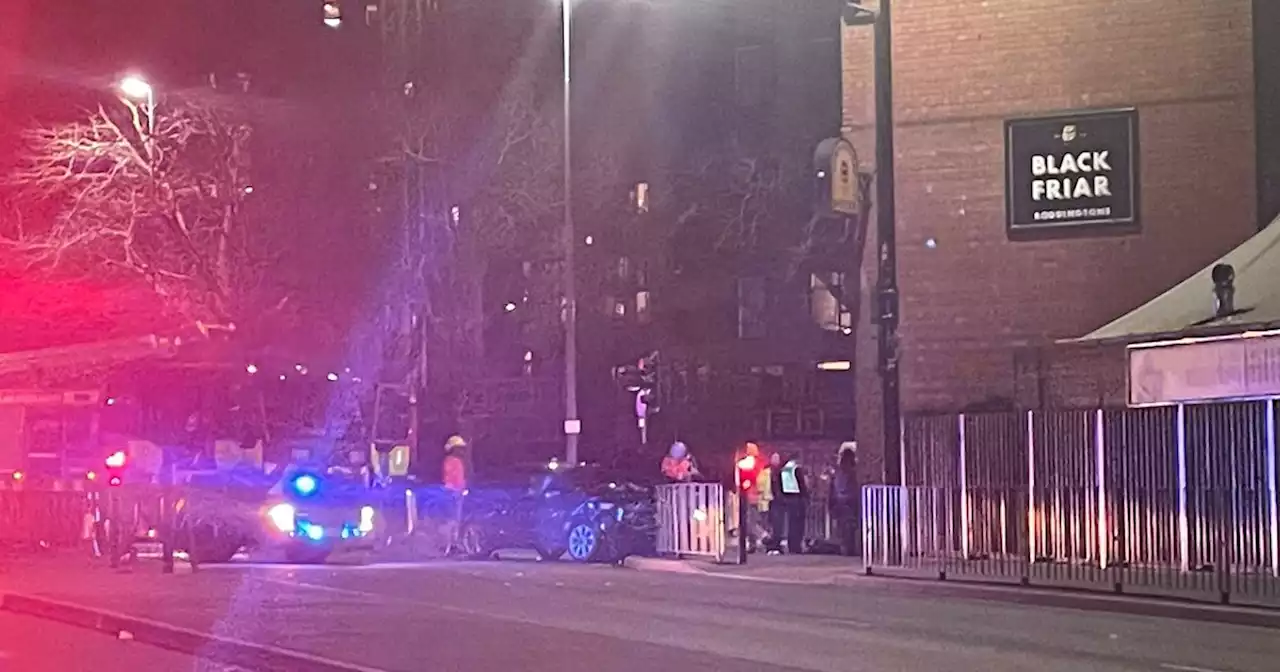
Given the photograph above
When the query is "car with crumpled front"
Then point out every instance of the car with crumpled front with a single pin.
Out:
(587, 513)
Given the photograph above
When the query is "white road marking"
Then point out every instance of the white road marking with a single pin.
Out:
(1187, 668)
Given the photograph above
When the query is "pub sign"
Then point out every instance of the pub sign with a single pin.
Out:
(1072, 170)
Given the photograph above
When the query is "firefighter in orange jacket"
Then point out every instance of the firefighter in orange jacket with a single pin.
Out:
(678, 466)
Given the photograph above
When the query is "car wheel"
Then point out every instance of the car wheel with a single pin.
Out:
(585, 541)
(209, 545)
(471, 542)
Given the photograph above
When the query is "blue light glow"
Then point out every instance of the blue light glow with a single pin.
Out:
(313, 532)
(305, 484)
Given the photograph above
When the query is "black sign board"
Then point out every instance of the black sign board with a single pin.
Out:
(1072, 170)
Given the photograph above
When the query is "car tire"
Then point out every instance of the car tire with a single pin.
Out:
(210, 545)
(585, 541)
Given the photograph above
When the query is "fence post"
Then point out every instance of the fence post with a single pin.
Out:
(904, 529)
(962, 469)
(1031, 488)
(1184, 530)
(1104, 530)
(1273, 535)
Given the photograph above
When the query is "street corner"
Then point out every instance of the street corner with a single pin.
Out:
(671, 565)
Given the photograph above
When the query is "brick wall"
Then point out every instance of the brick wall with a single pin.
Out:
(960, 71)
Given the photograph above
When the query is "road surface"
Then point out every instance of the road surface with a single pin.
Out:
(545, 617)
(29, 644)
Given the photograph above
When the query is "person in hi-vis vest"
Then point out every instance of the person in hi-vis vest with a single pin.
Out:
(790, 499)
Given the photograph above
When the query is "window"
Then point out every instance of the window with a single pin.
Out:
(643, 309)
(640, 197)
(751, 307)
(828, 303)
(623, 268)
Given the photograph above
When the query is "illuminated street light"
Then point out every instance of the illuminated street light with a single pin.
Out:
(137, 88)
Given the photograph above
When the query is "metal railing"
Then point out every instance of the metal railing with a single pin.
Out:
(691, 520)
(34, 518)
(1178, 500)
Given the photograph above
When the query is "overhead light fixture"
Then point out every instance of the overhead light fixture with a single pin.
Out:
(839, 365)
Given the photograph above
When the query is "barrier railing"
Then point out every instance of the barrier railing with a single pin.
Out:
(42, 518)
(691, 520)
(1164, 500)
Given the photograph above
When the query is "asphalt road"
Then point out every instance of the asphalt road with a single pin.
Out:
(537, 617)
(30, 644)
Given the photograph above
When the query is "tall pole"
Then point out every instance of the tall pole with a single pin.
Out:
(572, 426)
(886, 214)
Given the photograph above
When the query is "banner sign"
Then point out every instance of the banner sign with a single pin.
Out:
(1215, 370)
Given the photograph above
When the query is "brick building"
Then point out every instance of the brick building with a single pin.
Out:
(982, 307)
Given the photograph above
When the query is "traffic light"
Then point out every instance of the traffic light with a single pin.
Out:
(648, 368)
(629, 378)
(748, 472)
(115, 464)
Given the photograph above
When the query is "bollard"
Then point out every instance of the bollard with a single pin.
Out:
(742, 530)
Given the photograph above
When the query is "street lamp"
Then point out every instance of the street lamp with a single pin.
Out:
(887, 301)
(572, 424)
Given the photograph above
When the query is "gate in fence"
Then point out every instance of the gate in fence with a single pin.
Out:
(1176, 499)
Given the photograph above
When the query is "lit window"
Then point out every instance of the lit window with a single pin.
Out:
(640, 197)
(643, 313)
(370, 14)
(455, 215)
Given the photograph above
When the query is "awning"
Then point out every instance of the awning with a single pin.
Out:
(1187, 310)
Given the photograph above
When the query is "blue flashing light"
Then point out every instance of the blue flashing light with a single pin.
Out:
(313, 532)
(305, 484)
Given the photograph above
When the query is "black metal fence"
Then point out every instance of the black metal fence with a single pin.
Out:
(1177, 500)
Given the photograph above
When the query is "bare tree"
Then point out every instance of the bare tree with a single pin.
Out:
(163, 207)
(478, 187)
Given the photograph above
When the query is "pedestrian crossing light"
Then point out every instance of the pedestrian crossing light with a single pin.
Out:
(332, 14)
(748, 472)
(115, 464)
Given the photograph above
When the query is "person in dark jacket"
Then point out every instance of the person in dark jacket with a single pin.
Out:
(792, 498)
(846, 502)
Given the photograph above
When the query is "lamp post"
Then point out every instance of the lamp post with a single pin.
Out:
(572, 424)
(136, 89)
(887, 301)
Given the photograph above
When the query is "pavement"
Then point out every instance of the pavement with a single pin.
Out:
(533, 616)
(29, 643)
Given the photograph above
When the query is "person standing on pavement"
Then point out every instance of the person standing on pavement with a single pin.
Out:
(792, 498)
(678, 466)
(846, 502)
(777, 506)
(454, 479)
(755, 529)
